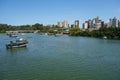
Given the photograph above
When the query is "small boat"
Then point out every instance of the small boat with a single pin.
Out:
(23, 34)
(19, 43)
(105, 37)
(46, 33)
(58, 35)
(13, 35)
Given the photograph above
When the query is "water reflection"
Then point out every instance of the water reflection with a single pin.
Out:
(17, 50)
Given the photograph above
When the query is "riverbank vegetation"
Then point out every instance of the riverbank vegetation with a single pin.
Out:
(37, 26)
(108, 32)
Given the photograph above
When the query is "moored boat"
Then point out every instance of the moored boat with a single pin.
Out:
(105, 37)
(19, 43)
(58, 35)
(13, 35)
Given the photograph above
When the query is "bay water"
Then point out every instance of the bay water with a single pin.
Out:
(60, 58)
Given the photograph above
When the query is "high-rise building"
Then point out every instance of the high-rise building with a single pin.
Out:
(119, 23)
(76, 23)
(95, 23)
(97, 19)
(89, 23)
(110, 22)
(102, 23)
(85, 25)
(114, 22)
(72, 25)
(65, 24)
(60, 24)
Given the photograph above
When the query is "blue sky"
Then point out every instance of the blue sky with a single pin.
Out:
(20, 12)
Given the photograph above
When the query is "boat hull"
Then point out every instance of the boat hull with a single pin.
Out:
(15, 46)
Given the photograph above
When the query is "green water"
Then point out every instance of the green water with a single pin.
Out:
(60, 58)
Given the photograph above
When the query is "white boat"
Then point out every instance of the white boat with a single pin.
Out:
(105, 37)
(46, 33)
(23, 34)
(13, 35)
(57, 35)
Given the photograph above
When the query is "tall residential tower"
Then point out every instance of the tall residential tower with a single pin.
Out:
(114, 22)
(76, 23)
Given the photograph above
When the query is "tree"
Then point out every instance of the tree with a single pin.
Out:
(74, 31)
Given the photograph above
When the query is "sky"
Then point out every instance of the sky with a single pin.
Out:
(22, 12)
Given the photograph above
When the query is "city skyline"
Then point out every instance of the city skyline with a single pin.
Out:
(20, 12)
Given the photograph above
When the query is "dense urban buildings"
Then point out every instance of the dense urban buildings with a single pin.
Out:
(65, 24)
(94, 23)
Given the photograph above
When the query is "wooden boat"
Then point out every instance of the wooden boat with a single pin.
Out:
(19, 43)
